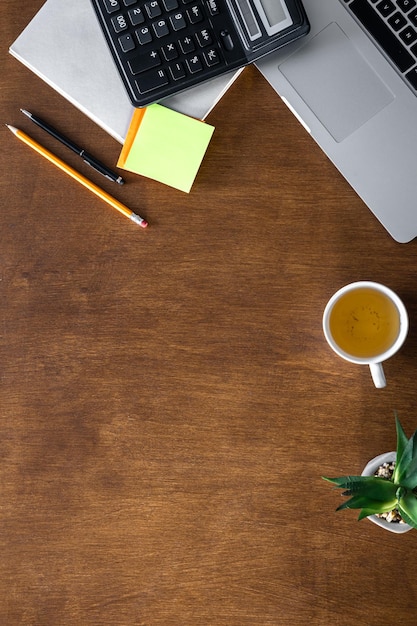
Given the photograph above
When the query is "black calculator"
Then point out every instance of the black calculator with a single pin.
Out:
(162, 47)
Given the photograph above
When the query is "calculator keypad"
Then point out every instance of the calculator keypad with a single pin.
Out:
(162, 47)
(163, 41)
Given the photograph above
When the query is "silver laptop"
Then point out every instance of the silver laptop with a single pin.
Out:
(352, 83)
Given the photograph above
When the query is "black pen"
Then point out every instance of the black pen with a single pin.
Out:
(87, 158)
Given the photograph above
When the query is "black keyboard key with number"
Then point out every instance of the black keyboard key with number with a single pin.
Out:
(393, 25)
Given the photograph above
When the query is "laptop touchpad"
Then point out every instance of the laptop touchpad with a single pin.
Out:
(336, 82)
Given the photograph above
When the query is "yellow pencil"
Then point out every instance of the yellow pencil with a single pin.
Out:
(78, 177)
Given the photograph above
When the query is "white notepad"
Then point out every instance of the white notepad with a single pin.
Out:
(63, 45)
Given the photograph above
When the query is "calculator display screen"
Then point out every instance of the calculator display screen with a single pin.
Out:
(272, 14)
(274, 11)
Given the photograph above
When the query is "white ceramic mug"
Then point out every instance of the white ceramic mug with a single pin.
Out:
(366, 323)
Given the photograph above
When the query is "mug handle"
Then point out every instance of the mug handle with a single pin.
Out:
(378, 376)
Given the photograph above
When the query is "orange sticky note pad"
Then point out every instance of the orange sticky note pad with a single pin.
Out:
(165, 145)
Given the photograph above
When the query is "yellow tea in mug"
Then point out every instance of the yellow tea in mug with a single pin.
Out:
(364, 322)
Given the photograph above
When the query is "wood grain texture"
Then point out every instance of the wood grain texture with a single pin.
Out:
(168, 401)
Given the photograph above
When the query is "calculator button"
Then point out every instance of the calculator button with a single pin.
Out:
(194, 64)
(161, 28)
(186, 45)
(126, 43)
(144, 35)
(170, 51)
(145, 62)
(111, 6)
(211, 57)
(177, 71)
(178, 22)
(153, 9)
(213, 7)
(195, 14)
(152, 80)
(119, 23)
(136, 16)
(227, 40)
(170, 5)
(204, 38)
(128, 3)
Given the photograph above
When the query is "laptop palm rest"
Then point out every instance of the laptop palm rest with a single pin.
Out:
(335, 82)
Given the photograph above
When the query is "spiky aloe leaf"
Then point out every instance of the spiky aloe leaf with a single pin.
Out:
(340, 481)
(349, 482)
(364, 502)
(405, 472)
(408, 509)
(368, 512)
(402, 441)
(370, 487)
(364, 513)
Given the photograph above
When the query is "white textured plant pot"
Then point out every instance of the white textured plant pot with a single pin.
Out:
(370, 470)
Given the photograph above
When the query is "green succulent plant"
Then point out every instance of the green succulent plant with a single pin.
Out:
(375, 494)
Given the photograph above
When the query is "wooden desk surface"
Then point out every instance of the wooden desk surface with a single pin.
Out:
(168, 401)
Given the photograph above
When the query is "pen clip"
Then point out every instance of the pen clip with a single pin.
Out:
(89, 160)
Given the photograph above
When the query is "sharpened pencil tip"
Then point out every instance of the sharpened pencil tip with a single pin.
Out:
(25, 112)
(13, 129)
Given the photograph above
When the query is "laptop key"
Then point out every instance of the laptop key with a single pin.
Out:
(385, 7)
(408, 35)
(382, 34)
(413, 17)
(406, 5)
(411, 76)
(397, 21)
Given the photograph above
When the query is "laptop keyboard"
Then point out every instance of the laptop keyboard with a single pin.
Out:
(393, 25)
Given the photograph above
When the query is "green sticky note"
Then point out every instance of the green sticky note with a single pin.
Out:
(165, 145)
